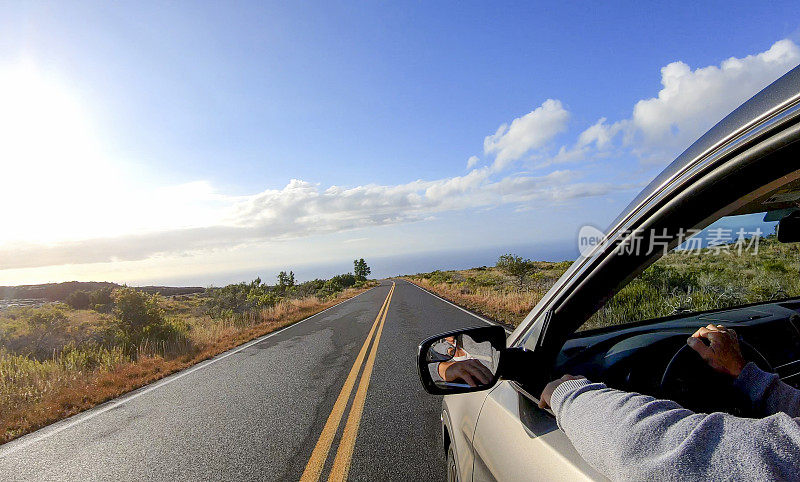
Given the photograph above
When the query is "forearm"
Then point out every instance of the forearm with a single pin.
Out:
(631, 436)
(767, 392)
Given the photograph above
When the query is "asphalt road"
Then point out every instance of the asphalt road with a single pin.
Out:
(268, 410)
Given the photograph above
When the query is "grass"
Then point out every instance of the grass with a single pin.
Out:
(490, 291)
(56, 361)
(677, 283)
(681, 282)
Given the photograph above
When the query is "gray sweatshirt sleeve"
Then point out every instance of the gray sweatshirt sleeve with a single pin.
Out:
(637, 437)
(767, 392)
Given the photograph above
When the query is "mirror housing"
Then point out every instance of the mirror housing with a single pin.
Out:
(463, 357)
(789, 228)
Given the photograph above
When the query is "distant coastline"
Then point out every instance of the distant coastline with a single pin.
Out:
(382, 266)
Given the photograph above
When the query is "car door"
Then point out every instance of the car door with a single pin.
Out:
(516, 440)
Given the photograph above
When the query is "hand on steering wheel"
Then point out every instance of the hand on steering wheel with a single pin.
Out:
(722, 353)
(698, 376)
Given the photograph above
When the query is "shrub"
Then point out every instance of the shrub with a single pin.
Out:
(344, 280)
(309, 288)
(329, 289)
(136, 310)
(440, 277)
(47, 318)
(80, 300)
(101, 300)
(239, 298)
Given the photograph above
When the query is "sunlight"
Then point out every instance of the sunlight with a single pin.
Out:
(58, 183)
(49, 156)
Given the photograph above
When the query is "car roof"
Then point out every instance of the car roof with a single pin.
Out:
(770, 98)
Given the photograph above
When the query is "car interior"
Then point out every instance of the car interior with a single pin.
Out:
(758, 296)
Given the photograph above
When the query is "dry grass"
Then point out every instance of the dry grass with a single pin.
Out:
(506, 307)
(490, 292)
(37, 392)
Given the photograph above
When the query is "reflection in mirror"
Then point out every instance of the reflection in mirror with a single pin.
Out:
(459, 361)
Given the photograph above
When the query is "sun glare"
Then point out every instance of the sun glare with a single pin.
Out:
(50, 157)
(41, 125)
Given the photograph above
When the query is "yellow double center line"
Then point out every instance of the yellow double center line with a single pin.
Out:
(344, 454)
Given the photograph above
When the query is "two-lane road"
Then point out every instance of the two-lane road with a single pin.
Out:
(335, 396)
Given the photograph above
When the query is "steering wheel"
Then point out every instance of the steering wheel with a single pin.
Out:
(691, 382)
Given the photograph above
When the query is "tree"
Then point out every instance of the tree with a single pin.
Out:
(516, 267)
(285, 279)
(360, 269)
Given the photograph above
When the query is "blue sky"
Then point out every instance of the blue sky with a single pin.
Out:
(194, 119)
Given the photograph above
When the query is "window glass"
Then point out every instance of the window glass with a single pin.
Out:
(735, 261)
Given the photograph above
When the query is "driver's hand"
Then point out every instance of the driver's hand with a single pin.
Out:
(472, 372)
(547, 393)
(722, 353)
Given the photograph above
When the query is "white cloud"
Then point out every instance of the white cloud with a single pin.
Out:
(472, 162)
(534, 130)
(690, 102)
(600, 134)
(564, 155)
(304, 209)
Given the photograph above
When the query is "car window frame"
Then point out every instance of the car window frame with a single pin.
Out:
(537, 335)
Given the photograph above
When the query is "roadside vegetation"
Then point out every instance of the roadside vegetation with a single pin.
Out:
(63, 357)
(505, 292)
(679, 282)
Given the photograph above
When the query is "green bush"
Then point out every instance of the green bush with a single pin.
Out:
(80, 300)
(439, 277)
(101, 300)
(47, 318)
(136, 310)
(344, 280)
(235, 300)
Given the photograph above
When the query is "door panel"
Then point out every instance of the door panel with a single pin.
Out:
(460, 416)
(515, 440)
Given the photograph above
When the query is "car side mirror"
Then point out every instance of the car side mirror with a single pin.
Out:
(461, 361)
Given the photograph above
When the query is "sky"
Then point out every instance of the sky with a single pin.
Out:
(205, 143)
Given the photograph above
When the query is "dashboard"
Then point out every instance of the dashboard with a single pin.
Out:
(635, 357)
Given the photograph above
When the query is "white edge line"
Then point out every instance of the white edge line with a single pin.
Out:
(459, 307)
(61, 425)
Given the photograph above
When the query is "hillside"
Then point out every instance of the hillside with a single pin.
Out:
(60, 291)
